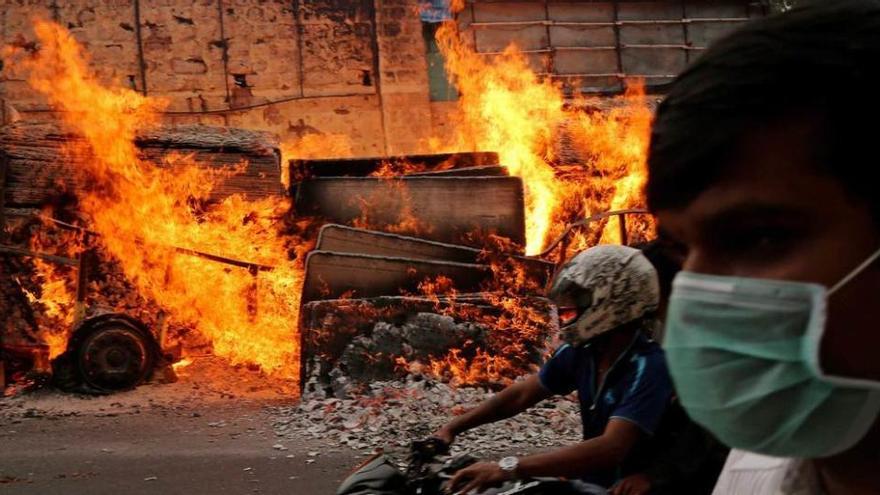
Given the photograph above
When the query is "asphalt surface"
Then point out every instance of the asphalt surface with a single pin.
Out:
(162, 452)
(209, 432)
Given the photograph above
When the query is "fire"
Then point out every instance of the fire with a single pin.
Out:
(481, 368)
(183, 363)
(313, 146)
(505, 107)
(142, 211)
(52, 294)
(396, 196)
(58, 303)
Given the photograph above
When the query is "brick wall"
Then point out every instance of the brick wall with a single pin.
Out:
(356, 68)
(294, 67)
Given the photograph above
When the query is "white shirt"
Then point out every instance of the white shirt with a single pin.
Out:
(756, 474)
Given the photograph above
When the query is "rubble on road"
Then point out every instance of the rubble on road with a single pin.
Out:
(209, 385)
(383, 414)
(390, 415)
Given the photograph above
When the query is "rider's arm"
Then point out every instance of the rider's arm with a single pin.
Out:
(638, 413)
(509, 402)
(556, 377)
(599, 453)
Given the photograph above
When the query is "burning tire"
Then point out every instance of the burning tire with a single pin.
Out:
(110, 353)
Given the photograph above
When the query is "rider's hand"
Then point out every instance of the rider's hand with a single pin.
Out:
(636, 484)
(445, 434)
(479, 477)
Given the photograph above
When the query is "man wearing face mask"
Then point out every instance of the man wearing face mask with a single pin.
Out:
(608, 298)
(761, 165)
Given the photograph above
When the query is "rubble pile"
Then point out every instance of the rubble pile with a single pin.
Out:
(419, 339)
(466, 339)
(390, 415)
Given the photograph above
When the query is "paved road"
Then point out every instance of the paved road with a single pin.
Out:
(162, 451)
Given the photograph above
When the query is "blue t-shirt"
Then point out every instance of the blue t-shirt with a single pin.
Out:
(637, 389)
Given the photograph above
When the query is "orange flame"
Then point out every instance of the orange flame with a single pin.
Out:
(480, 369)
(395, 196)
(505, 107)
(183, 363)
(312, 146)
(58, 301)
(53, 298)
(141, 210)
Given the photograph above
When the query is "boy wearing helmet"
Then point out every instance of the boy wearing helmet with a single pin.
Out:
(608, 298)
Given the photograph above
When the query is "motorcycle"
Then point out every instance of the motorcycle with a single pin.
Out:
(430, 467)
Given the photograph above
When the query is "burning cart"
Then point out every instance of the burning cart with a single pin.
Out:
(106, 350)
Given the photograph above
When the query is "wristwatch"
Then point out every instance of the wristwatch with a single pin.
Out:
(509, 465)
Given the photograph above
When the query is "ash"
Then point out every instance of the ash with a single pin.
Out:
(390, 415)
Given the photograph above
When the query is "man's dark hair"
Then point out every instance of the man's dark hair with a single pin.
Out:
(820, 60)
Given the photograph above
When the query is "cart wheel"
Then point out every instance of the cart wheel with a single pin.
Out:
(115, 356)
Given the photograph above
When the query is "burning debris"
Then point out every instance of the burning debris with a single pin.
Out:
(241, 161)
(464, 340)
(193, 239)
(151, 217)
(73, 306)
(506, 106)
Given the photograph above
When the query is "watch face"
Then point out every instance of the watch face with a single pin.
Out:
(508, 463)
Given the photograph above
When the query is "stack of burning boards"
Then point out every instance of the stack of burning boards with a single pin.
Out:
(418, 268)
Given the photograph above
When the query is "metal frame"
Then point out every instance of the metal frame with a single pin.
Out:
(621, 75)
(563, 238)
(252, 267)
(617, 23)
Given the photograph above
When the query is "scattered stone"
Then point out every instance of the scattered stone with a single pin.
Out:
(390, 415)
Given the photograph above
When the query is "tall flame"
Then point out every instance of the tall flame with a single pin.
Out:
(142, 212)
(506, 107)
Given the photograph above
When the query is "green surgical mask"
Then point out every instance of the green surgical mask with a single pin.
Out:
(744, 356)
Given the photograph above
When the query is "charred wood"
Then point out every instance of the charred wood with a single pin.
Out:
(42, 156)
